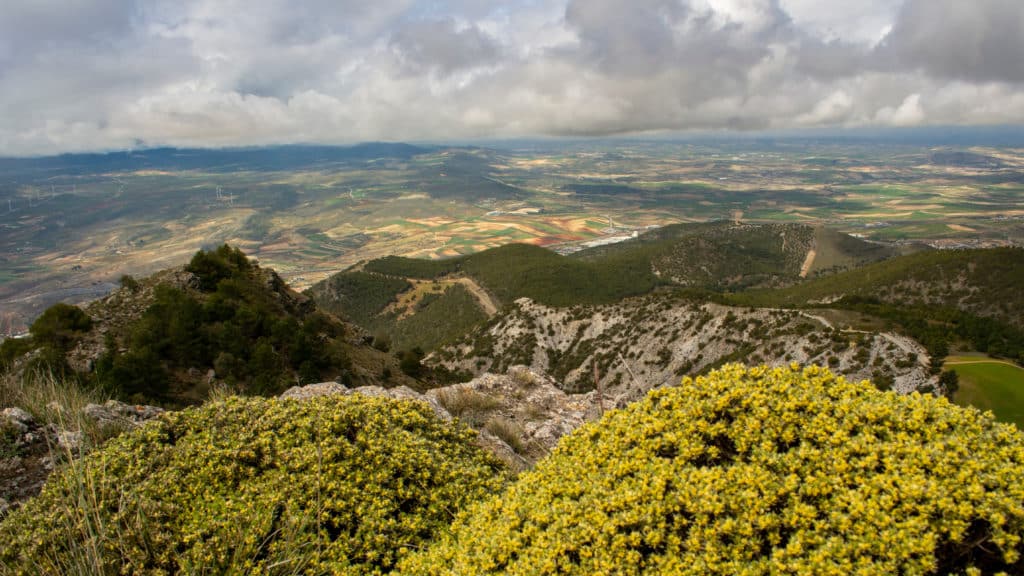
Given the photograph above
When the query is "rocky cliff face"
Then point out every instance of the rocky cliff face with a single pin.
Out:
(643, 343)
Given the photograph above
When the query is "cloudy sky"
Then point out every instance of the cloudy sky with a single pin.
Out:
(81, 75)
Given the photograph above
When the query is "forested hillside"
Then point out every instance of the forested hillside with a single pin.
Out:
(221, 319)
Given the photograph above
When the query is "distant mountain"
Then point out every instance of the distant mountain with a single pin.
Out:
(466, 174)
(270, 158)
(961, 159)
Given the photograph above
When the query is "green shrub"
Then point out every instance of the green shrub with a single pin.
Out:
(59, 325)
(754, 472)
(410, 362)
(129, 282)
(215, 265)
(338, 484)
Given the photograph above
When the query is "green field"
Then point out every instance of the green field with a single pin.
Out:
(990, 385)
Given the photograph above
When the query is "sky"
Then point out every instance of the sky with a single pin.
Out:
(92, 75)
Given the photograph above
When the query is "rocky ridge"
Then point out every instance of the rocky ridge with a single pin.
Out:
(643, 343)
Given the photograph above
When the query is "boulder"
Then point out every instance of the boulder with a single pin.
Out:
(113, 412)
(17, 418)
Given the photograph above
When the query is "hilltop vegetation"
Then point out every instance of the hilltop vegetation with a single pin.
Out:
(358, 296)
(167, 339)
(754, 472)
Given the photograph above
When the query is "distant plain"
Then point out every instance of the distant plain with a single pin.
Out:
(71, 226)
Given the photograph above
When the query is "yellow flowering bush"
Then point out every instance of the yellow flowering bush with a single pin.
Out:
(340, 485)
(758, 471)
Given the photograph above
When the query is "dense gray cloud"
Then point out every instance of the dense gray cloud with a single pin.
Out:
(439, 45)
(980, 40)
(103, 74)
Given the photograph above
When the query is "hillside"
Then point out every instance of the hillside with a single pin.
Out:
(438, 309)
(646, 342)
(955, 300)
(984, 282)
(524, 271)
(220, 320)
(734, 256)
(400, 314)
(713, 256)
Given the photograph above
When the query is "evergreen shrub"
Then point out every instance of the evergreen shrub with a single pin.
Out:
(337, 484)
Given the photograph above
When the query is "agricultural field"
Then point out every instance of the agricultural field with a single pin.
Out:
(989, 384)
(71, 226)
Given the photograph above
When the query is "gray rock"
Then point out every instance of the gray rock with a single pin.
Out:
(119, 413)
(331, 388)
(18, 418)
(69, 441)
(314, 390)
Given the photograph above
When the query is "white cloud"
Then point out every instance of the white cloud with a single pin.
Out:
(100, 74)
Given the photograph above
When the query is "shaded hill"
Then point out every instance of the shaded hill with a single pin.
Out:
(983, 282)
(466, 175)
(729, 256)
(961, 159)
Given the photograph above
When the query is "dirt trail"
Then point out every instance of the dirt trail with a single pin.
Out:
(485, 300)
(961, 362)
(808, 262)
(902, 342)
